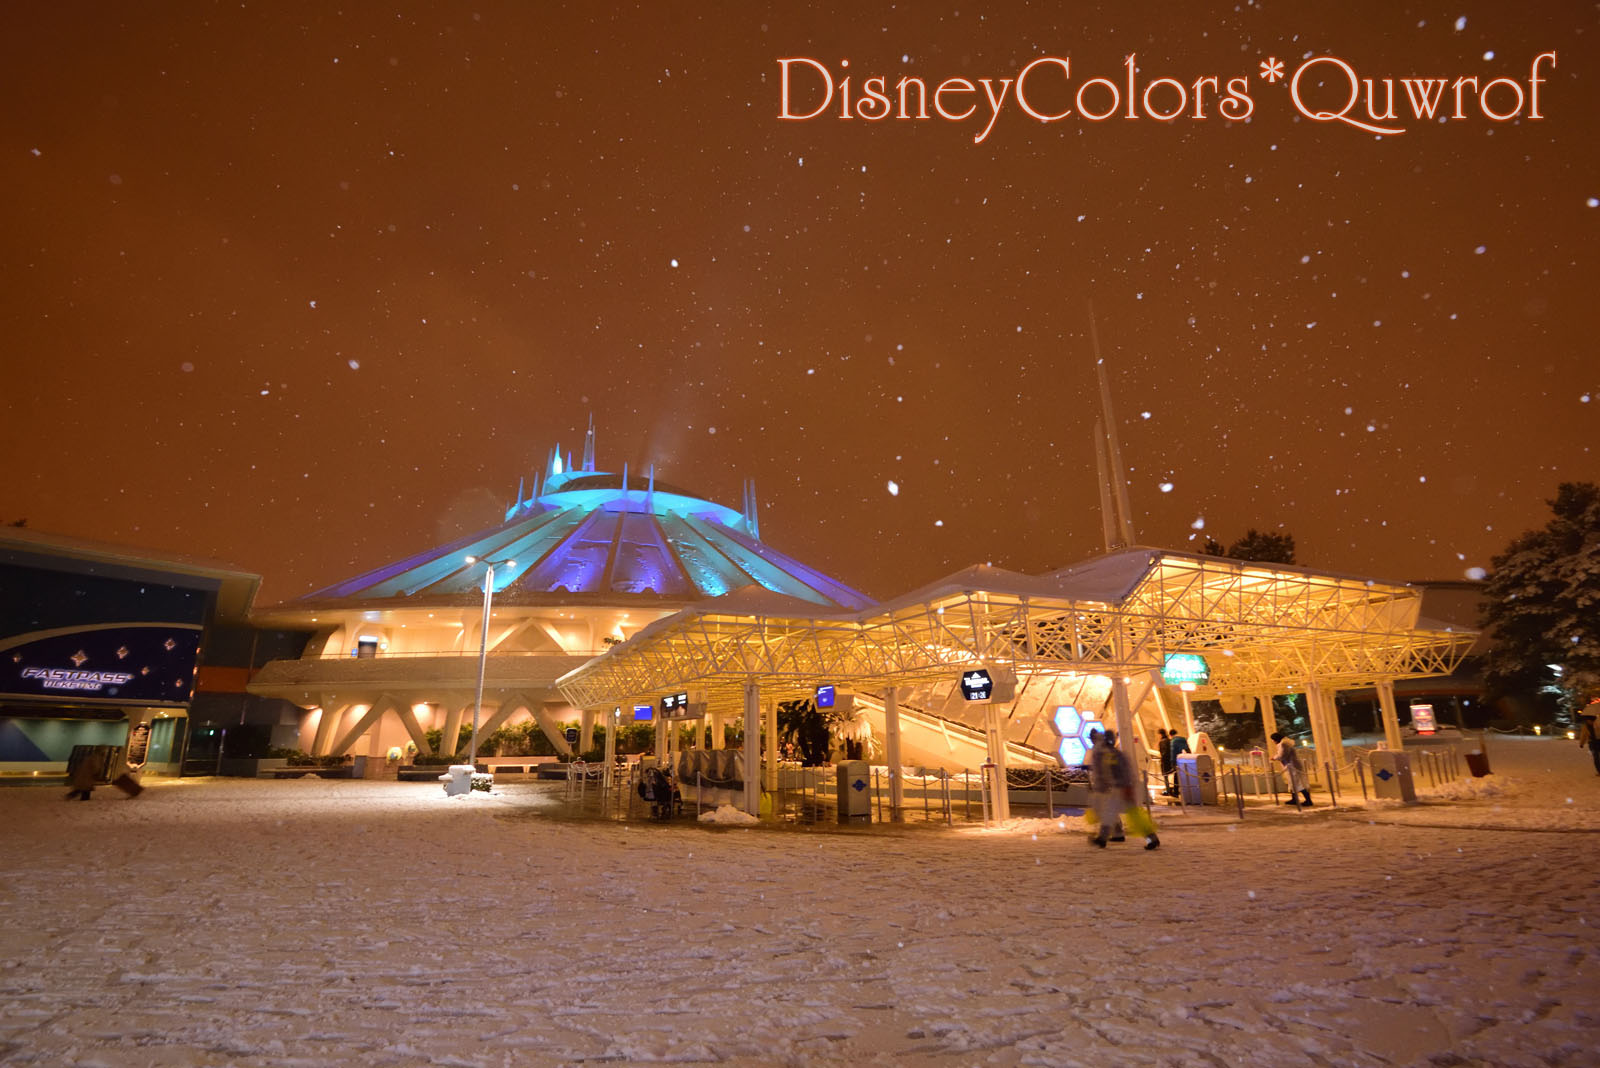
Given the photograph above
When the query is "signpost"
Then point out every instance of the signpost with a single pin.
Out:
(977, 684)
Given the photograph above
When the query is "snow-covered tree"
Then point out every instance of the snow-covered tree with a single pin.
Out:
(1543, 604)
(1255, 546)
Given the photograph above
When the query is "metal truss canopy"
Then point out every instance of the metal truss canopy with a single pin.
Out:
(1261, 628)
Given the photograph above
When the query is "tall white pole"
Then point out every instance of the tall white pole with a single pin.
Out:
(752, 748)
(483, 662)
(891, 736)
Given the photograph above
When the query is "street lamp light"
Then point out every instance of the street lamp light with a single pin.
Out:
(483, 646)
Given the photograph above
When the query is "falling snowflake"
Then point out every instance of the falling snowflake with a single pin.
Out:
(894, 488)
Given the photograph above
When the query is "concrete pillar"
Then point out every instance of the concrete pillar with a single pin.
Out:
(752, 748)
(1326, 742)
(331, 715)
(717, 733)
(661, 741)
(1391, 716)
(891, 753)
(769, 718)
(585, 730)
(1188, 714)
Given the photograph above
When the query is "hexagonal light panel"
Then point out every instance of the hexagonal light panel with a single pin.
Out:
(1072, 728)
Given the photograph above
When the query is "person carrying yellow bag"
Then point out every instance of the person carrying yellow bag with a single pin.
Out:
(1112, 787)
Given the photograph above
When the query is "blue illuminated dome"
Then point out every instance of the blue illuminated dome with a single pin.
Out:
(587, 536)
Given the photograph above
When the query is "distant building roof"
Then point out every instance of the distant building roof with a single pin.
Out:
(601, 537)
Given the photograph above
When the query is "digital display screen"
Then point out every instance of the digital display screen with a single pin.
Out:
(644, 713)
(674, 704)
(977, 685)
(824, 696)
(1422, 719)
(1181, 668)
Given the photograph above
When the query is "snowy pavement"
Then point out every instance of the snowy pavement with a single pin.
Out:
(312, 922)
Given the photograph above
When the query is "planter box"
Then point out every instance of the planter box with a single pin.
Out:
(250, 767)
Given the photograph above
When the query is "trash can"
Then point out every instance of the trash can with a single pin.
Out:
(1197, 779)
(853, 787)
(1391, 776)
(1477, 763)
(458, 780)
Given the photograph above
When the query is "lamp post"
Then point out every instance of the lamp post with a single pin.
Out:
(483, 647)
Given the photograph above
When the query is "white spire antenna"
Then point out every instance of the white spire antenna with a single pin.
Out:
(1106, 438)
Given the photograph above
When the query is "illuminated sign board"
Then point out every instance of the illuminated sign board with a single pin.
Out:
(977, 684)
(143, 664)
(644, 713)
(674, 704)
(1422, 719)
(1185, 669)
(824, 696)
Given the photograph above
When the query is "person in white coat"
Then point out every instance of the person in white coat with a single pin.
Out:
(1293, 772)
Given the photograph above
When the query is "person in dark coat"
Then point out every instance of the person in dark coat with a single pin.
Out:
(1164, 748)
(1589, 730)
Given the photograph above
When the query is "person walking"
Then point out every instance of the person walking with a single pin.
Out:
(1293, 772)
(1589, 731)
(1112, 787)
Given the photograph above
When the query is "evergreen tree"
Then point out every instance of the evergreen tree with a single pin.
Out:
(1255, 546)
(1542, 601)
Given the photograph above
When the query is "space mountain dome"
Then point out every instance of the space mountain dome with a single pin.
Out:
(588, 536)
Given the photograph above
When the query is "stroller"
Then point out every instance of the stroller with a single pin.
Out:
(657, 787)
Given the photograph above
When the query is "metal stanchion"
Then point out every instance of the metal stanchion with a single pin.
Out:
(878, 793)
(1049, 794)
(966, 791)
(1361, 777)
(1238, 792)
(1333, 785)
(949, 817)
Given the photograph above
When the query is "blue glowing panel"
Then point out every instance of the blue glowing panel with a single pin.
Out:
(708, 569)
(644, 563)
(824, 696)
(831, 589)
(644, 713)
(577, 565)
(759, 570)
(1072, 728)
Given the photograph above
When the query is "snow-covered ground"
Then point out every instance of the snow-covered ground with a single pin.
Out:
(310, 922)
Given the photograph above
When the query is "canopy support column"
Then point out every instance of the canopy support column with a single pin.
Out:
(752, 748)
(998, 788)
(611, 748)
(1325, 735)
(891, 750)
(769, 766)
(1188, 712)
(1269, 721)
(718, 739)
(1391, 716)
(585, 730)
